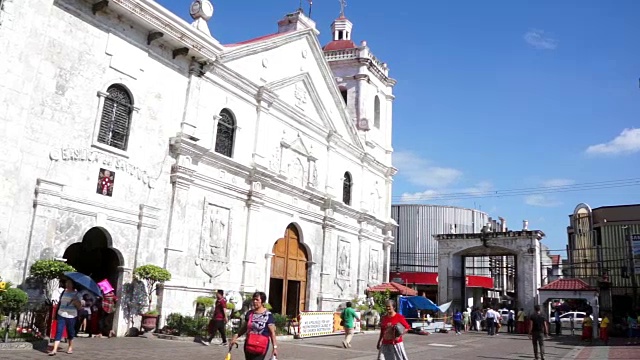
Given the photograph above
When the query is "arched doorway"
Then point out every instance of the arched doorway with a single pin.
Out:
(94, 257)
(288, 285)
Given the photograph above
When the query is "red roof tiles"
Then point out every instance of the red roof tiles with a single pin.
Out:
(259, 38)
(394, 288)
(339, 45)
(567, 284)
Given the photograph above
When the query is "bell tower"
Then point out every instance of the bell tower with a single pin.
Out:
(364, 83)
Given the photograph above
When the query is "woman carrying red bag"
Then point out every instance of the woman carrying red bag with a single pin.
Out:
(260, 327)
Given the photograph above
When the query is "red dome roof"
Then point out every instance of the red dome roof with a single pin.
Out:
(339, 45)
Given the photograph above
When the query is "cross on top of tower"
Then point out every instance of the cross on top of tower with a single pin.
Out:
(343, 4)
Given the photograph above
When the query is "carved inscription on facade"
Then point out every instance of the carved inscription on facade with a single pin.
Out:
(96, 157)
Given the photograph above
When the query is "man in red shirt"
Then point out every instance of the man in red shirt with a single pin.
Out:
(219, 319)
(392, 327)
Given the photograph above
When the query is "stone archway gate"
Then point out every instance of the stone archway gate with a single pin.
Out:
(524, 245)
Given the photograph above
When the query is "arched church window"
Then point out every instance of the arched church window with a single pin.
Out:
(376, 112)
(347, 184)
(225, 134)
(115, 121)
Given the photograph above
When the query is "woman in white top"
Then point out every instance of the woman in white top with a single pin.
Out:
(67, 313)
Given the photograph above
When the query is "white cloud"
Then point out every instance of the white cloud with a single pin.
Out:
(541, 201)
(449, 195)
(422, 172)
(539, 40)
(627, 142)
(558, 182)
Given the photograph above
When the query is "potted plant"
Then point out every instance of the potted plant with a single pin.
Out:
(202, 304)
(151, 275)
(49, 272)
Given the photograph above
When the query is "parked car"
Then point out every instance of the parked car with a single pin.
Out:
(577, 316)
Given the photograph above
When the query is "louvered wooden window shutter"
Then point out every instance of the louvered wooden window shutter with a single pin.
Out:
(116, 118)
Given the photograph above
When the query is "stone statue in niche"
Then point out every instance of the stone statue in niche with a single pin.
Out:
(217, 232)
(374, 270)
(343, 259)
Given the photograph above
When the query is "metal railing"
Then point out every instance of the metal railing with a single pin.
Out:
(26, 326)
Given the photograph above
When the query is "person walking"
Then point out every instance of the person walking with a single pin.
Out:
(219, 320)
(457, 321)
(348, 317)
(538, 329)
(68, 307)
(604, 329)
(511, 322)
(392, 327)
(490, 320)
(260, 327)
(557, 321)
(466, 319)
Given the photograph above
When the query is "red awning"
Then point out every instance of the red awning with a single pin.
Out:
(417, 278)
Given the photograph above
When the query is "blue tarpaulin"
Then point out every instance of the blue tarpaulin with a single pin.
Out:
(409, 305)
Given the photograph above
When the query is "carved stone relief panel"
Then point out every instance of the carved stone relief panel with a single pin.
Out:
(343, 259)
(374, 268)
(297, 162)
(213, 250)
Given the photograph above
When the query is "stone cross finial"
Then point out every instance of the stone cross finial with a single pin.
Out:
(343, 4)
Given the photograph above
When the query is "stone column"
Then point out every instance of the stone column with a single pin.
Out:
(325, 262)
(450, 277)
(120, 322)
(253, 228)
(527, 287)
(267, 271)
(310, 293)
(43, 229)
(176, 245)
(361, 279)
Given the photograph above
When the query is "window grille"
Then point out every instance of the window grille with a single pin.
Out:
(225, 133)
(347, 183)
(116, 118)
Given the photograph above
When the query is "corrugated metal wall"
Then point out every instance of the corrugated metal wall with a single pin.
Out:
(616, 253)
(415, 250)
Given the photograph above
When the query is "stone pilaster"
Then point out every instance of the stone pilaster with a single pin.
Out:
(41, 243)
(254, 226)
(328, 228)
(363, 261)
(267, 271)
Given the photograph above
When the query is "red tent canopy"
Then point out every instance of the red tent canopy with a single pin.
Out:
(394, 288)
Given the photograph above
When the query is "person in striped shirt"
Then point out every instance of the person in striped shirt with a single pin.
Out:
(67, 314)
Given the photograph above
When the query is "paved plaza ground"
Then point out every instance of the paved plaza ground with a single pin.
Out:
(435, 346)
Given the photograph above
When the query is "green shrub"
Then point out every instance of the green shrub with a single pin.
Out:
(151, 275)
(13, 300)
(49, 272)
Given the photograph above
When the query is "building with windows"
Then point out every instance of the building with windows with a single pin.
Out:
(133, 137)
(599, 251)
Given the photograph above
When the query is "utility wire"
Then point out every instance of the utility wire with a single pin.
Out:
(611, 184)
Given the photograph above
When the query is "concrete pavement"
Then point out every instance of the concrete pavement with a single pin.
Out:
(435, 346)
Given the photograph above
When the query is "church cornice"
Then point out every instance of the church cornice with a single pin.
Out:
(157, 18)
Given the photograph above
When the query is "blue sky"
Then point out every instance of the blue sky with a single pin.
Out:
(494, 96)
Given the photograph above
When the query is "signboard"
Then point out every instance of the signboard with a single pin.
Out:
(635, 248)
(316, 323)
(321, 323)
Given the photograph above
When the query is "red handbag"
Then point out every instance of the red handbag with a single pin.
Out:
(256, 344)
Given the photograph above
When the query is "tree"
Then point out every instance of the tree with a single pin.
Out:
(49, 272)
(151, 275)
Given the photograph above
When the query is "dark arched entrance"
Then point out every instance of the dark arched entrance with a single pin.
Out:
(288, 285)
(94, 256)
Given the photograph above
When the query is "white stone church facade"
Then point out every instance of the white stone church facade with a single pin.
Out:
(132, 137)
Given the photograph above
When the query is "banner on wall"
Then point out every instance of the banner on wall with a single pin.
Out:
(635, 248)
(321, 323)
